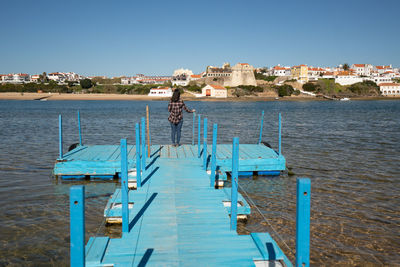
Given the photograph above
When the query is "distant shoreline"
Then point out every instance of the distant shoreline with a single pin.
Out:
(56, 96)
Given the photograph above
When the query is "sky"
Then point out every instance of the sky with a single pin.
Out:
(114, 38)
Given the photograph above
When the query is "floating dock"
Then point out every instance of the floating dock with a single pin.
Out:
(177, 216)
(104, 161)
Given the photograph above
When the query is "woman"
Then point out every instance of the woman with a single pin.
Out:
(175, 116)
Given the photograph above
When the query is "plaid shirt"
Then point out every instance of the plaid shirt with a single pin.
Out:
(175, 110)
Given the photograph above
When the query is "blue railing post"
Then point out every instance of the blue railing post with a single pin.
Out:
(143, 144)
(194, 122)
(214, 156)
(60, 137)
(199, 136)
(77, 225)
(261, 127)
(124, 186)
(235, 181)
(280, 134)
(79, 127)
(303, 222)
(138, 169)
(205, 144)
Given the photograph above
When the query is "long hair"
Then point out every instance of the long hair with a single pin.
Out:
(176, 95)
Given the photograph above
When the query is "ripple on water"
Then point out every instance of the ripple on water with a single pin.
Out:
(350, 152)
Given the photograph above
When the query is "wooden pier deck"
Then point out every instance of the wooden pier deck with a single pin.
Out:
(103, 161)
(177, 219)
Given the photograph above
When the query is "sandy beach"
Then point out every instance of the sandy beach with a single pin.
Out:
(56, 96)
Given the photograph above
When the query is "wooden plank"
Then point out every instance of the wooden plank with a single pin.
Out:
(249, 150)
(112, 152)
(193, 150)
(180, 153)
(95, 252)
(183, 201)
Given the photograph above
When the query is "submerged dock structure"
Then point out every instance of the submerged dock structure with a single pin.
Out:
(177, 216)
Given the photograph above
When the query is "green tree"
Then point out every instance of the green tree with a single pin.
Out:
(43, 77)
(285, 90)
(86, 83)
(346, 66)
(310, 87)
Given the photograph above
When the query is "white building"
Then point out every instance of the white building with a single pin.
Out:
(142, 79)
(57, 77)
(390, 89)
(389, 74)
(280, 71)
(379, 80)
(382, 69)
(213, 90)
(347, 79)
(129, 80)
(362, 69)
(16, 78)
(181, 71)
(180, 80)
(195, 77)
(161, 92)
(35, 78)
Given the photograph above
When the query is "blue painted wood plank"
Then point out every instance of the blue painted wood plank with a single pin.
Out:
(180, 153)
(104, 159)
(176, 201)
(95, 250)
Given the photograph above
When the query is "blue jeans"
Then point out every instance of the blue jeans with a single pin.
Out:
(176, 131)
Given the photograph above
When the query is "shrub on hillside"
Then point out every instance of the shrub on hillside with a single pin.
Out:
(285, 90)
(86, 83)
(311, 87)
(365, 88)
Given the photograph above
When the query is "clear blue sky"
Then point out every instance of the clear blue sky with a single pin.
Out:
(155, 37)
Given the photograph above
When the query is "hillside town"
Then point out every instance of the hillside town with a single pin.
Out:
(216, 81)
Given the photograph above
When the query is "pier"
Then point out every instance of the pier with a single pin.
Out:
(177, 216)
(103, 161)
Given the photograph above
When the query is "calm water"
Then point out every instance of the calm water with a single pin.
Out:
(350, 150)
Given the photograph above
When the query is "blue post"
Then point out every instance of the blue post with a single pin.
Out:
(138, 169)
(79, 127)
(199, 136)
(124, 187)
(261, 127)
(214, 156)
(280, 133)
(60, 136)
(303, 222)
(205, 145)
(143, 144)
(77, 225)
(194, 121)
(235, 181)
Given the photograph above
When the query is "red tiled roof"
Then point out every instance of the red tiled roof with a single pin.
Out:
(217, 87)
(279, 68)
(359, 65)
(195, 76)
(382, 67)
(244, 64)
